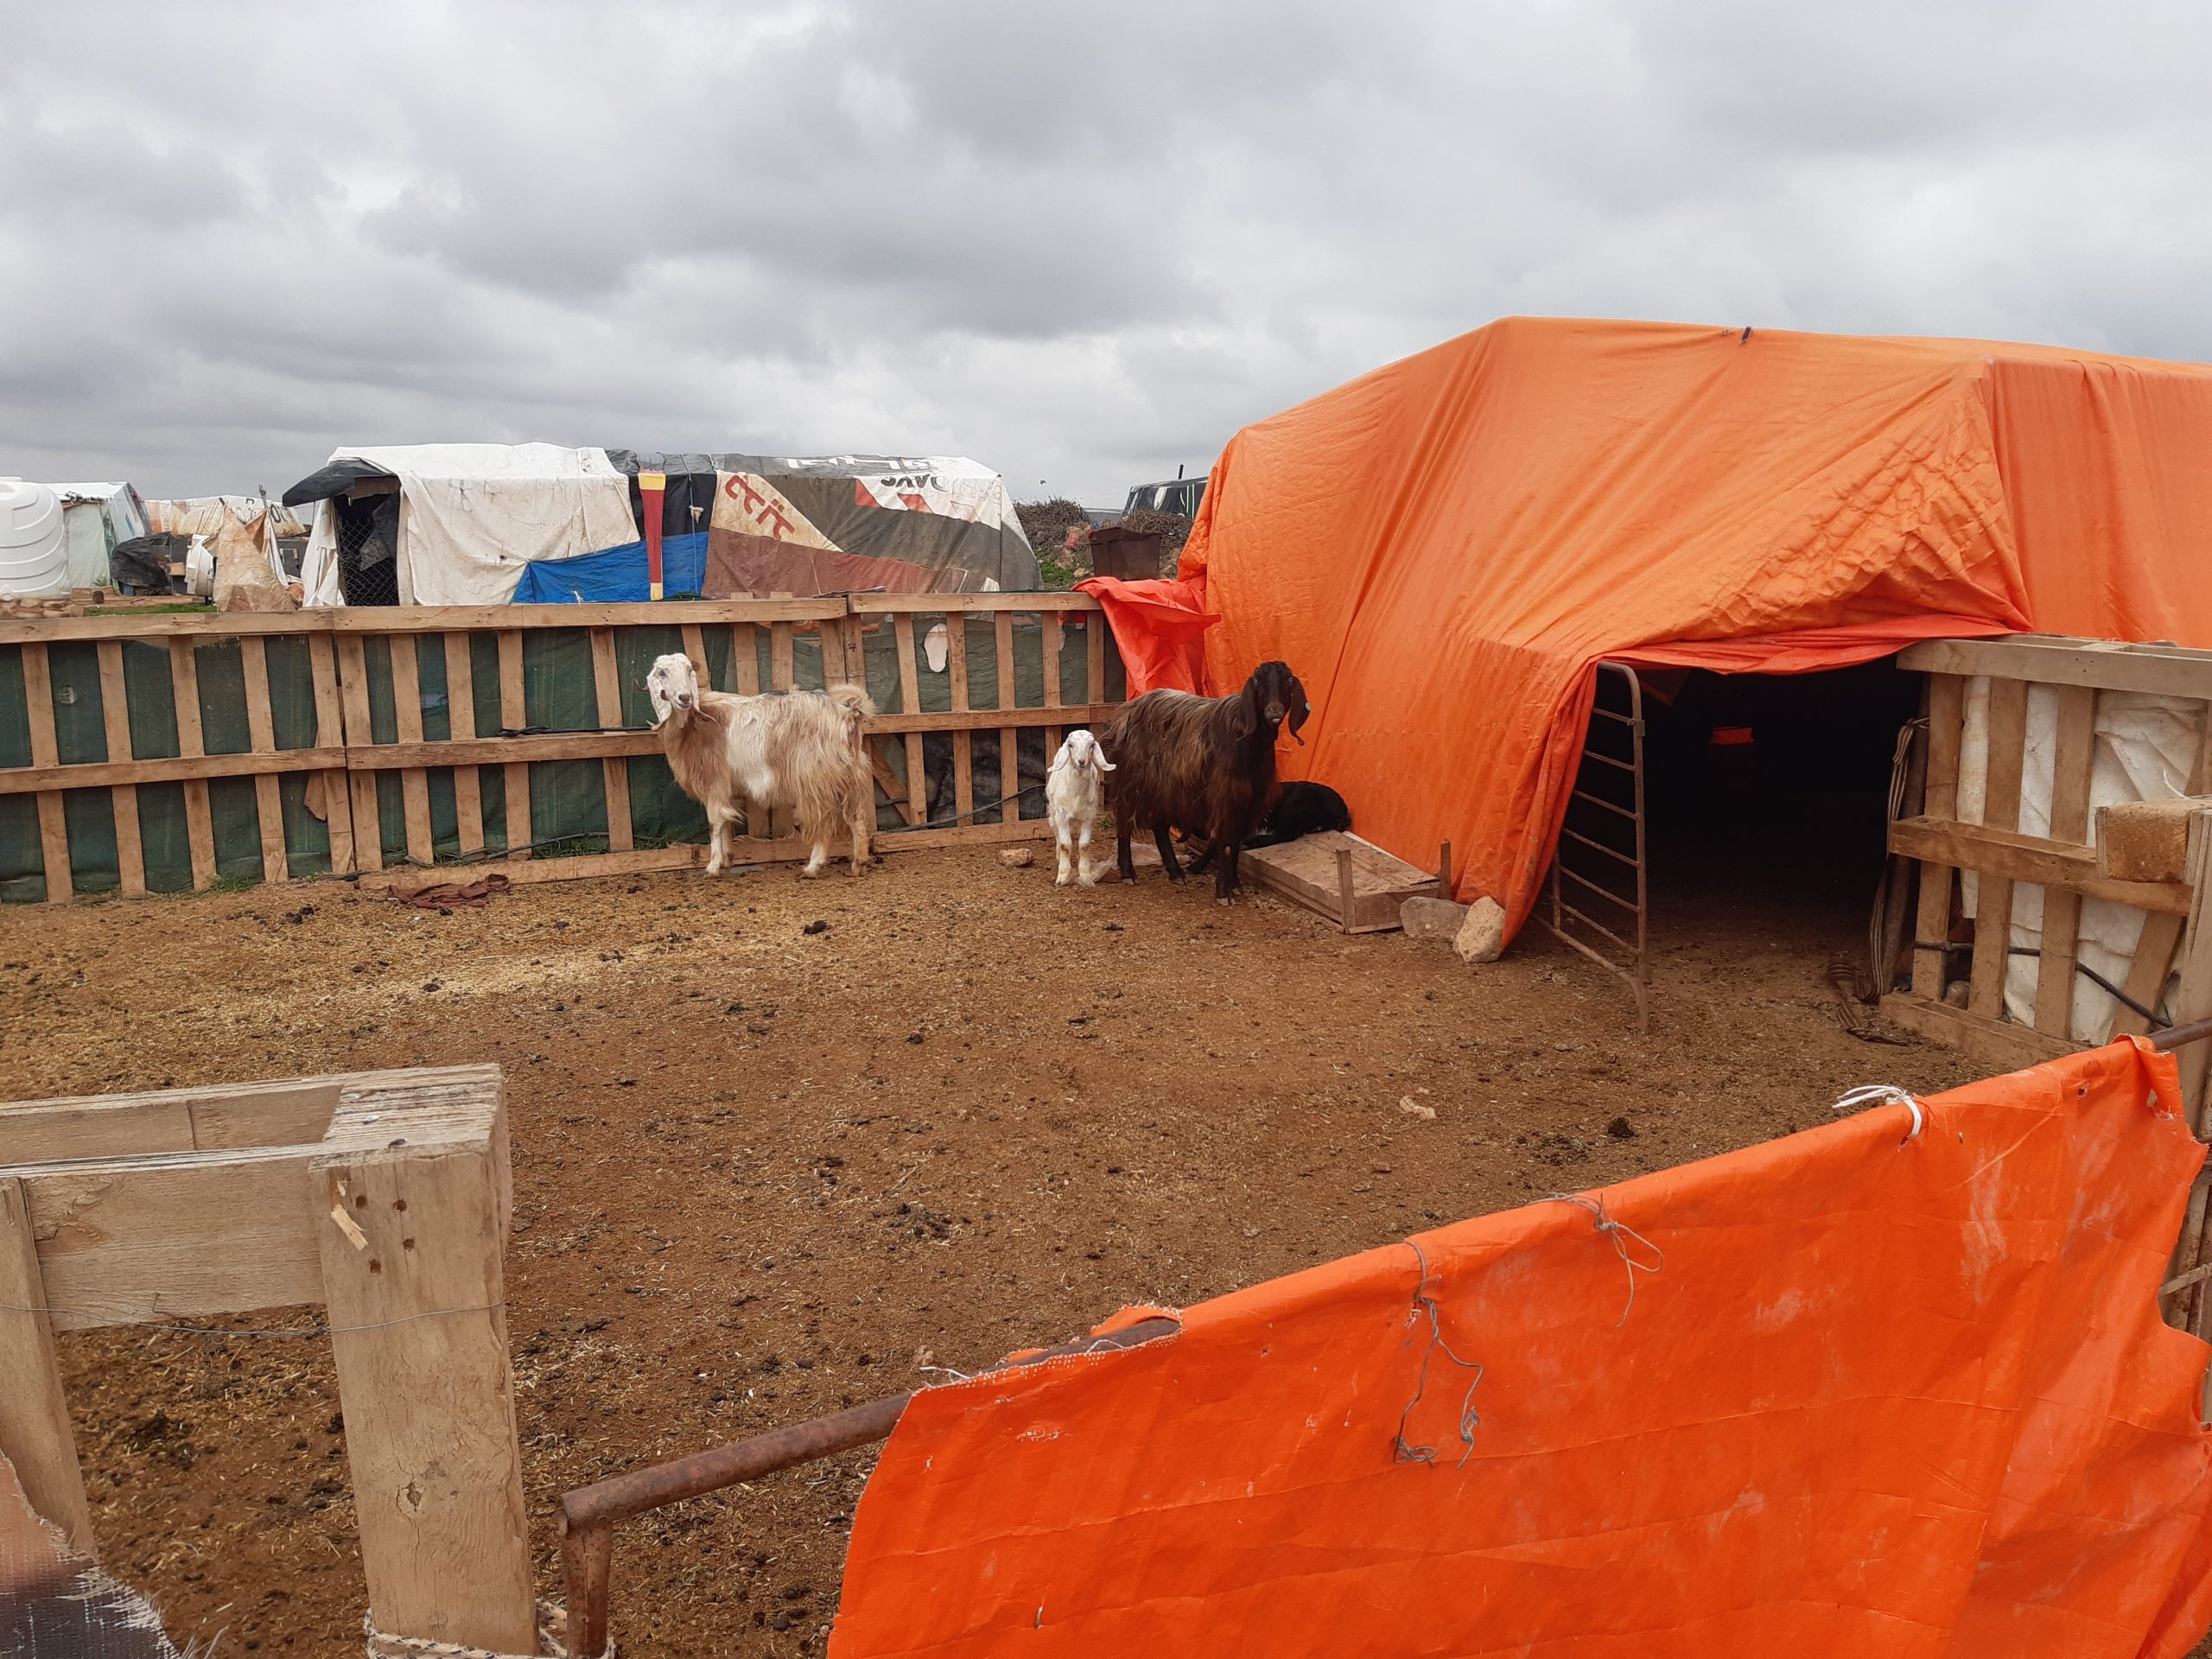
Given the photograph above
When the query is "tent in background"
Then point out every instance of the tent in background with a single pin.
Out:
(95, 516)
(488, 523)
(1444, 548)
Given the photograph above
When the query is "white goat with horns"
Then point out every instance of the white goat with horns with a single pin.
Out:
(1072, 799)
(797, 750)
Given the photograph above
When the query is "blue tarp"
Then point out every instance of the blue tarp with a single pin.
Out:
(615, 573)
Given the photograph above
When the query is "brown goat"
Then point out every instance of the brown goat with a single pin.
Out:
(801, 750)
(1206, 766)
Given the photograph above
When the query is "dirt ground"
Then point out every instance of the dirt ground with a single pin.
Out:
(763, 1171)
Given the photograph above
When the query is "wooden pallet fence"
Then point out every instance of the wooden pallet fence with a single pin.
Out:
(380, 1198)
(161, 754)
(166, 752)
(2062, 859)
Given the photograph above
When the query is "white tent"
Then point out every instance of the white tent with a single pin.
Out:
(95, 516)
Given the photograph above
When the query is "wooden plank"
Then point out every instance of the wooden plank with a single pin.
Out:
(2148, 972)
(461, 717)
(199, 819)
(115, 715)
(2147, 841)
(745, 660)
(53, 823)
(2164, 671)
(2016, 857)
(2193, 998)
(330, 730)
(94, 774)
(2001, 1046)
(694, 647)
(353, 694)
(2072, 759)
(1048, 633)
(410, 1248)
(1094, 635)
(607, 706)
(261, 728)
(888, 782)
(1992, 930)
(414, 781)
(910, 703)
(1313, 871)
(129, 1241)
(963, 744)
(439, 619)
(647, 861)
(35, 1430)
(289, 1112)
(1946, 723)
(781, 675)
(1009, 754)
(892, 604)
(514, 715)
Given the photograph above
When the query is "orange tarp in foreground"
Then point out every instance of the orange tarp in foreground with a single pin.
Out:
(1880, 1396)
(1442, 549)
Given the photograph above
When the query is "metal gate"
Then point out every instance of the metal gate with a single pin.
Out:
(1599, 862)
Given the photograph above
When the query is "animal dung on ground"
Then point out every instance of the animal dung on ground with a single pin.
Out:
(1412, 1107)
(814, 927)
(1482, 938)
(1018, 858)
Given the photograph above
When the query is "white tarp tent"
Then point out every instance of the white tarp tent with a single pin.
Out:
(473, 515)
(95, 516)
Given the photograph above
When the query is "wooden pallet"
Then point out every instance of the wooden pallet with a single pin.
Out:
(1352, 882)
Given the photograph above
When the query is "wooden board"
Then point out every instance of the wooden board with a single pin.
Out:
(2013, 856)
(1932, 927)
(198, 818)
(2072, 757)
(35, 1429)
(616, 770)
(2050, 659)
(52, 826)
(461, 725)
(514, 715)
(1305, 871)
(268, 803)
(115, 717)
(410, 1247)
(1999, 1044)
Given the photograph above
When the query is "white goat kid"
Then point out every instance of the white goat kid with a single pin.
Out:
(796, 750)
(1072, 799)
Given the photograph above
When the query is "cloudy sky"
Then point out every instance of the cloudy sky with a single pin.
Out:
(1081, 243)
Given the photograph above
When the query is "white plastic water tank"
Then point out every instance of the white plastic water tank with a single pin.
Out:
(34, 542)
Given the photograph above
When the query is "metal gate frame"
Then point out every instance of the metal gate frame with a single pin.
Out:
(1635, 969)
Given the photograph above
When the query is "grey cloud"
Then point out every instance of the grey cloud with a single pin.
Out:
(1084, 245)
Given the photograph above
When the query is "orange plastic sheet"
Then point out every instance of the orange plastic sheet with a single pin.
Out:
(1858, 1391)
(1442, 549)
(1158, 628)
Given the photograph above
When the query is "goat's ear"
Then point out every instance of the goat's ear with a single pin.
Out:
(1099, 755)
(1299, 708)
(1247, 717)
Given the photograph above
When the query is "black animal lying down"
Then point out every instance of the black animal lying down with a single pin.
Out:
(1300, 810)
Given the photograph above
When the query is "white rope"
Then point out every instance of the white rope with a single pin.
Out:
(552, 1641)
(1883, 1094)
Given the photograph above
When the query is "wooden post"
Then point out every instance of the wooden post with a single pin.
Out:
(461, 725)
(35, 1430)
(1946, 717)
(615, 771)
(330, 733)
(268, 802)
(1345, 889)
(1444, 871)
(410, 1245)
(1993, 921)
(514, 715)
(115, 715)
(199, 819)
(53, 828)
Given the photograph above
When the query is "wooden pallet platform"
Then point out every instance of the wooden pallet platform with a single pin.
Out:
(1352, 882)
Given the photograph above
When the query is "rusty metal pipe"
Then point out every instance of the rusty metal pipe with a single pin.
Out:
(589, 1513)
(2174, 1037)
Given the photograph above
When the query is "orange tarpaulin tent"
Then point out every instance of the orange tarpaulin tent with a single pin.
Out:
(1896, 1385)
(1445, 547)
